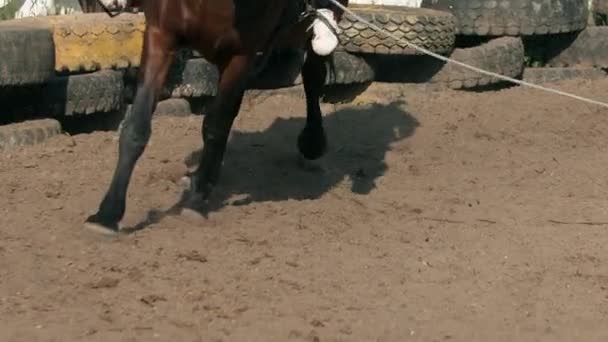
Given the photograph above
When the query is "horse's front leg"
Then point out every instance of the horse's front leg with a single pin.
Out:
(158, 52)
(216, 128)
(312, 141)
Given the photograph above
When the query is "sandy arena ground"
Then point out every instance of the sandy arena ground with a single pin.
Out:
(436, 216)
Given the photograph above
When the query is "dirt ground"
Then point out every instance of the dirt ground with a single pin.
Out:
(435, 216)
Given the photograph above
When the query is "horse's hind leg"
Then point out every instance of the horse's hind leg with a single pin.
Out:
(216, 128)
(312, 141)
(156, 60)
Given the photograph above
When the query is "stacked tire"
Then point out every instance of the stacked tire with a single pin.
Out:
(438, 29)
(80, 65)
(507, 37)
(21, 68)
(67, 68)
(430, 29)
(539, 41)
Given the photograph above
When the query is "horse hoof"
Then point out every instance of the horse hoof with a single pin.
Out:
(192, 204)
(315, 165)
(192, 214)
(312, 146)
(193, 209)
(92, 224)
(100, 229)
(311, 152)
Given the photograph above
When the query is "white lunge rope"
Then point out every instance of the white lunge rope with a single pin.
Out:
(449, 60)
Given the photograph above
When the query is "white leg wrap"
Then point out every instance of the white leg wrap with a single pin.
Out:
(324, 41)
(114, 5)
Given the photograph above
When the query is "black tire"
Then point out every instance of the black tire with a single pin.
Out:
(514, 17)
(168, 107)
(197, 77)
(28, 133)
(346, 68)
(173, 107)
(281, 71)
(191, 78)
(430, 29)
(343, 69)
(549, 75)
(348, 76)
(27, 54)
(588, 48)
(504, 55)
(98, 92)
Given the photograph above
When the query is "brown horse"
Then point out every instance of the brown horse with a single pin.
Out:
(232, 34)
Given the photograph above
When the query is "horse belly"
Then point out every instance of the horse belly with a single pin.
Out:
(220, 28)
(255, 22)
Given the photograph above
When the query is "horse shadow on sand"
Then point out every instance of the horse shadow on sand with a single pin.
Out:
(265, 166)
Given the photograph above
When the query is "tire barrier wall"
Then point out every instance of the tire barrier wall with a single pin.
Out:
(81, 64)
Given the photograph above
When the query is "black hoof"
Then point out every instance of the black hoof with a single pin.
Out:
(312, 143)
(193, 204)
(98, 226)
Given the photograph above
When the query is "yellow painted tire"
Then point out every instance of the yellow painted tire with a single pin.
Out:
(87, 42)
(92, 41)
